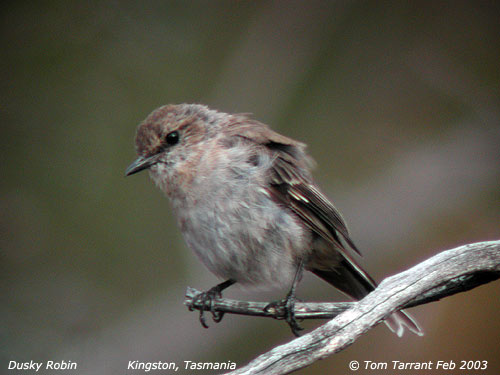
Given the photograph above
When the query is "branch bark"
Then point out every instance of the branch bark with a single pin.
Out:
(447, 273)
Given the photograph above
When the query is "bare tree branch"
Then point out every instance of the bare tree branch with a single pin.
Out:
(449, 272)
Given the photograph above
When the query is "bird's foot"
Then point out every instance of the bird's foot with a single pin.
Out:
(206, 302)
(285, 309)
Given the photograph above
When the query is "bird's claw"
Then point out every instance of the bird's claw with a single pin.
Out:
(285, 309)
(206, 302)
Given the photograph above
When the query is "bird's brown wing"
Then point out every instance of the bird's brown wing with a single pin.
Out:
(291, 183)
(295, 190)
(298, 192)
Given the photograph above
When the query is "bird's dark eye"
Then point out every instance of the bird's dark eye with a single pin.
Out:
(172, 138)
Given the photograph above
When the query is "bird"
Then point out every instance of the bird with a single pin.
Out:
(248, 206)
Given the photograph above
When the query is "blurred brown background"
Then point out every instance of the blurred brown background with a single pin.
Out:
(398, 102)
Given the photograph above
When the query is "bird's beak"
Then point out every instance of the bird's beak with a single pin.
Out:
(140, 164)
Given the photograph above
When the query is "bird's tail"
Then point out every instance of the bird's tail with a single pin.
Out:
(399, 320)
(355, 282)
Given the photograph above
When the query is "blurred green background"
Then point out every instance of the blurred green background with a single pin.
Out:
(398, 102)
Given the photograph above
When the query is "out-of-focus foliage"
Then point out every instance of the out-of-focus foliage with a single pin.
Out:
(398, 102)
